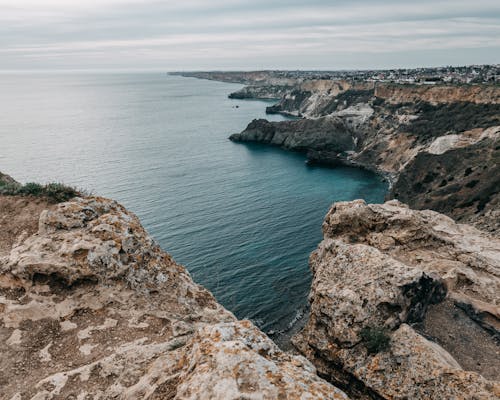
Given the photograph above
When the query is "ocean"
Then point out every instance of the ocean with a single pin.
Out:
(242, 218)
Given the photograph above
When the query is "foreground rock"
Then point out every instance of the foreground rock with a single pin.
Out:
(264, 92)
(91, 307)
(300, 135)
(404, 304)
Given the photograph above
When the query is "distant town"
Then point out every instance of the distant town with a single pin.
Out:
(464, 74)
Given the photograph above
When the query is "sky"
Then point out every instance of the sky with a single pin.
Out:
(246, 34)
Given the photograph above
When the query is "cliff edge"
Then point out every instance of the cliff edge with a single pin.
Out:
(91, 307)
(404, 305)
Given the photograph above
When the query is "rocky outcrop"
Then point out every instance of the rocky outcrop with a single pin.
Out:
(404, 304)
(6, 179)
(265, 92)
(91, 307)
(315, 98)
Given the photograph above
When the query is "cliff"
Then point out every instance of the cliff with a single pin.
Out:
(437, 150)
(404, 304)
(91, 307)
(265, 92)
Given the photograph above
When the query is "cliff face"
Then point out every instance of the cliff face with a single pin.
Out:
(300, 135)
(316, 98)
(265, 92)
(404, 304)
(438, 151)
(435, 94)
(91, 307)
(313, 98)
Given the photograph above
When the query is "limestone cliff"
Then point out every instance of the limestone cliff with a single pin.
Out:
(92, 308)
(437, 146)
(404, 305)
(265, 92)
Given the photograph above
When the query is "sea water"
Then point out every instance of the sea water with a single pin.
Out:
(242, 218)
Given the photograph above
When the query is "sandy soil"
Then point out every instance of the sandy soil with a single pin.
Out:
(17, 215)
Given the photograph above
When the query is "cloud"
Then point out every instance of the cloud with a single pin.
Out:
(173, 34)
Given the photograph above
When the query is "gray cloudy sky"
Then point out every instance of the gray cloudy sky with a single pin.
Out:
(246, 34)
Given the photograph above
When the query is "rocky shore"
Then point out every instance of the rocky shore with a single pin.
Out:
(404, 304)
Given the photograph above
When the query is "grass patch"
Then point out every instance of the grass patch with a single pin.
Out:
(441, 119)
(54, 192)
(375, 339)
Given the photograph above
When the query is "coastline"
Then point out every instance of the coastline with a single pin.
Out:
(397, 132)
(403, 302)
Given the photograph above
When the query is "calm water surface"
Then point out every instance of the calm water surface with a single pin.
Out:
(242, 218)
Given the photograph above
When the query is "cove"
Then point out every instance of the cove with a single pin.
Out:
(242, 218)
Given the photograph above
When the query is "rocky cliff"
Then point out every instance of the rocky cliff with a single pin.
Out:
(264, 92)
(91, 307)
(259, 84)
(436, 149)
(404, 305)
(438, 94)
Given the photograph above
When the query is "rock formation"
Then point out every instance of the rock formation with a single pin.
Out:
(265, 92)
(91, 307)
(404, 305)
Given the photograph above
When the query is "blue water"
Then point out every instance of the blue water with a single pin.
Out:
(242, 218)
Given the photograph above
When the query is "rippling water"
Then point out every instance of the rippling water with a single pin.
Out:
(242, 218)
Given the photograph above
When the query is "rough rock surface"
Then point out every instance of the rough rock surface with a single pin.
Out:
(432, 285)
(316, 98)
(91, 307)
(435, 94)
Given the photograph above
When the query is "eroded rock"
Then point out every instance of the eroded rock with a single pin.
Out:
(384, 267)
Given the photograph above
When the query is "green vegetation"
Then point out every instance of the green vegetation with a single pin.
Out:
(375, 339)
(54, 192)
(442, 119)
(348, 98)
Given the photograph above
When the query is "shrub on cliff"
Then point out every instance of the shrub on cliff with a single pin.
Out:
(55, 192)
(442, 119)
(375, 339)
